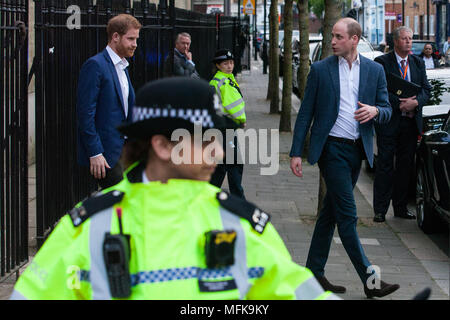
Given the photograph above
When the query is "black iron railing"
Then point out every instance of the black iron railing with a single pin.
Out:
(13, 136)
(60, 53)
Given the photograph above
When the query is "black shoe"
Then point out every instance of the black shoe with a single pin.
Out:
(379, 217)
(385, 289)
(327, 286)
(405, 215)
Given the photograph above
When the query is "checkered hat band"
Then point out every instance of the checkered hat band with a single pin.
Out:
(165, 275)
(196, 116)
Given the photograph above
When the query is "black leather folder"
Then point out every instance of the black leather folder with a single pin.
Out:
(400, 87)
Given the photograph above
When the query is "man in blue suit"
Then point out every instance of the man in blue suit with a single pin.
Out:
(104, 101)
(345, 94)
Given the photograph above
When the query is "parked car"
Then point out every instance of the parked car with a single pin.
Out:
(295, 37)
(313, 40)
(364, 47)
(433, 170)
(417, 47)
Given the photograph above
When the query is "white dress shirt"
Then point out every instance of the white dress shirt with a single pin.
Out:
(399, 63)
(408, 114)
(346, 126)
(429, 63)
(120, 65)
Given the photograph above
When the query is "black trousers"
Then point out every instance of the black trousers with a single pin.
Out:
(394, 166)
(234, 173)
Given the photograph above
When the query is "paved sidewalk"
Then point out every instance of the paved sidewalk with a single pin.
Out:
(292, 203)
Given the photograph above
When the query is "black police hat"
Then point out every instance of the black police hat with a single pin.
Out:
(222, 55)
(168, 104)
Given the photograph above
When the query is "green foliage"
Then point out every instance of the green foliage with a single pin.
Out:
(317, 7)
(437, 90)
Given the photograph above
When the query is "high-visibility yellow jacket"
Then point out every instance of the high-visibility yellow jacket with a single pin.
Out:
(166, 223)
(230, 96)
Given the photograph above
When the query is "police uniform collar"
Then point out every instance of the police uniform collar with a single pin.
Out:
(135, 174)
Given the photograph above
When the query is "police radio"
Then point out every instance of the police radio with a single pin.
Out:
(116, 254)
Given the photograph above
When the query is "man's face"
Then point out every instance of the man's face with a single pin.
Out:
(183, 44)
(427, 50)
(341, 43)
(127, 43)
(404, 42)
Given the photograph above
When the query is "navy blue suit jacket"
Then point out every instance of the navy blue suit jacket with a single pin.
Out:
(100, 110)
(321, 102)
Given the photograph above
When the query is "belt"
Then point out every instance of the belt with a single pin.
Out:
(352, 142)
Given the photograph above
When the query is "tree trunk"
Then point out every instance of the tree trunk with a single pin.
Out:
(333, 9)
(273, 91)
(286, 102)
(303, 27)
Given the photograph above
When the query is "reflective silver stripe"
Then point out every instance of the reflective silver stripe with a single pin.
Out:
(220, 82)
(239, 113)
(333, 297)
(16, 295)
(234, 104)
(308, 290)
(100, 223)
(239, 268)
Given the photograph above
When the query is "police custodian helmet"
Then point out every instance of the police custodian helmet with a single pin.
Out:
(222, 55)
(165, 105)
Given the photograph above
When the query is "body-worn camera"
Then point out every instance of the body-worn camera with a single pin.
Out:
(219, 248)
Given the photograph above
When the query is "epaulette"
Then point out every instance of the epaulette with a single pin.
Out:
(244, 209)
(95, 204)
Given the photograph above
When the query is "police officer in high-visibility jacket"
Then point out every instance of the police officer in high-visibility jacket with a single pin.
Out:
(164, 232)
(233, 105)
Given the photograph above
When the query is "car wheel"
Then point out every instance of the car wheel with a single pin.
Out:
(426, 218)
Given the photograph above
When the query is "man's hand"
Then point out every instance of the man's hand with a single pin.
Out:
(365, 112)
(296, 166)
(98, 167)
(188, 55)
(408, 104)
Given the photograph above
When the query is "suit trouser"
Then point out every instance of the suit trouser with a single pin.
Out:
(234, 173)
(340, 164)
(392, 177)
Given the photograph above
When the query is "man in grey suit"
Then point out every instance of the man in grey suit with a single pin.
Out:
(182, 59)
(345, 94)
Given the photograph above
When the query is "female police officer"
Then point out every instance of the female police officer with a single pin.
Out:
(233, 105)
(164, 232)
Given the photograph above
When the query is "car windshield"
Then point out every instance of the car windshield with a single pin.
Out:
(295, 35)
(417, 47)
(364, 47)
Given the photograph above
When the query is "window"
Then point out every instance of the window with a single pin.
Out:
(407, 21)
(432, 27)
(425, 25)
(416, 24)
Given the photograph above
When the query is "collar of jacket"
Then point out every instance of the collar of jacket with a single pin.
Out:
(228, 75)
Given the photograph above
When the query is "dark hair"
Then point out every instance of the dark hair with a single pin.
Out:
(121, 24)
(136, 150)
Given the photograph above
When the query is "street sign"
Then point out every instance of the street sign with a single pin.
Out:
(249, 7)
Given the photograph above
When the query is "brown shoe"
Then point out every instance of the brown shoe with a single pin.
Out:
(327, 286)
(385, 289)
